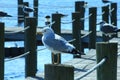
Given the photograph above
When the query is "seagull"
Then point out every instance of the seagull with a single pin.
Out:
(108, 29)
(4, 14)
(27, 9)
(61, 15)
(106, 1)
(85, 5)
(56, 43)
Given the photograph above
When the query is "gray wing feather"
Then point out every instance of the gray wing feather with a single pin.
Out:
(59, 44)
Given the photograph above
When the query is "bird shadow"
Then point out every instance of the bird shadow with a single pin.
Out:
(80, 70)
(84, 69)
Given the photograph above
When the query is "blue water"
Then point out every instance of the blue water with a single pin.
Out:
(14, 70)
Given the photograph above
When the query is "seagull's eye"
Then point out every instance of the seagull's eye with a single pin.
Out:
(44, 30)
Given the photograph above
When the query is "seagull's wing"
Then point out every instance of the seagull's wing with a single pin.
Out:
(59, 38)
(108, 29)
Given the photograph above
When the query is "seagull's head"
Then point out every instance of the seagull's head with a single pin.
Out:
(47, 30)
(101, 23)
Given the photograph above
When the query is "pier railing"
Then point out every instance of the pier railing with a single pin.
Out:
(30, 48)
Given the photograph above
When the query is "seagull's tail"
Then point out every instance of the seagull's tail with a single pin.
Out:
(74, 51)
(106, 1)
(8, 16)
(118, 30)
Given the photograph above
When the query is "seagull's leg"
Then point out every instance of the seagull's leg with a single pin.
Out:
(53, 59)
(56, 58)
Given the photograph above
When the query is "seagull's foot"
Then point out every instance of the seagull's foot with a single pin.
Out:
(55, 60)
(77, 55)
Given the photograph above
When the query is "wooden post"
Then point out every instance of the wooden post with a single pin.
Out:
(113, 16)
(92, 27)
(105, 17)
(2, 52)
(76, 31)
(26, 14)
(30, 45)
(36, 9)
(57, 25)
(20, 12)
(57, 29)
(59, 72)
(79, 7)
(107, 71)
(113, 13)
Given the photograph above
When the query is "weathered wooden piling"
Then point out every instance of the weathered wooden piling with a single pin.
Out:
(113, 16)
(57, 29)
(105, 17)
(92, 27)
(35, 4)
(20, 12)
(107, 71)
(26, 14)
(79, 7)
(2, 52)
(30, 45)
(113, 13)
(59, 72)
(76, 31)
(56, 17)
